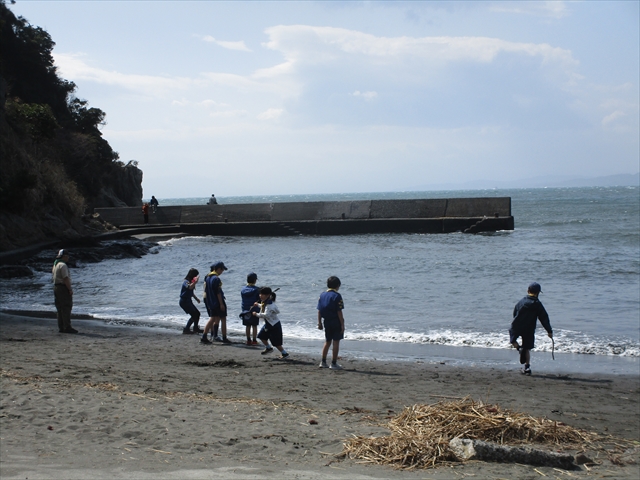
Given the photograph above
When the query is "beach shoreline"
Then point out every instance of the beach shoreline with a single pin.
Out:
(402, 352)
(129, 402)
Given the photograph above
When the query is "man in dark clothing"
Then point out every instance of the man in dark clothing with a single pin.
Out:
(525, 315)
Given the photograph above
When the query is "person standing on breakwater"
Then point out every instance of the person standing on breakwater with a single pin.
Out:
(216, 302)
(525, 315)
(330, 306)
(154, 204)
(62, 291)
(186, 294)
(272, 328)
(250, 296)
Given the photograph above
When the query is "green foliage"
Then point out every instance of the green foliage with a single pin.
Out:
(36, 119)
(86, 120)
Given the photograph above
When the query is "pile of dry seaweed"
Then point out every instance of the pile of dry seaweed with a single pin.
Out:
(420, 435)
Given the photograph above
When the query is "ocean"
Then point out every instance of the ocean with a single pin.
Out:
(408, 297)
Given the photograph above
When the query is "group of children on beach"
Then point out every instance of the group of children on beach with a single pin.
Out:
(258, 303)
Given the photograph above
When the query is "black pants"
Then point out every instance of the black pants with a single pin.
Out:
(64, 303)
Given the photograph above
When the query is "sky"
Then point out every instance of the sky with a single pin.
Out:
(291, 97)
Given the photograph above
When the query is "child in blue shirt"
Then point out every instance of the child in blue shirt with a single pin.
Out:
(250, 295)
(330, 306)
(216, 305)
(186, 294)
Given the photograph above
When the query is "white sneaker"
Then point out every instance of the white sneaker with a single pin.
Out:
(335, 366)
(323, 365)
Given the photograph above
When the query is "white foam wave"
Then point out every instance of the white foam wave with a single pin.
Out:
(565, 341)
(178, 240)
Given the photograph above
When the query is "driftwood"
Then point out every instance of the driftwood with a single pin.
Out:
(467, 449)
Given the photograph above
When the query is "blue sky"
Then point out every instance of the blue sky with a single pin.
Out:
(242, 98)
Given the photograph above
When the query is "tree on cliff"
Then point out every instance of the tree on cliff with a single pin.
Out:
(54, 162)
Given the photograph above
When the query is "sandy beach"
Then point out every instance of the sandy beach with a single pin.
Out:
(128, 402)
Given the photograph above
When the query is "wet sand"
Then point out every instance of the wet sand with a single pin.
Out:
(128, 402)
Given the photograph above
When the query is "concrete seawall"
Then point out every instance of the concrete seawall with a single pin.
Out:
(326, 218)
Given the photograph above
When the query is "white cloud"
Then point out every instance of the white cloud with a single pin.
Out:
(303, 44)
(228, 114)
(555, 9)
(410, 58)
(284, 68)
(203, 103)
(72, 66)
(366, 95)
(612, 117)
(239, 45)
(212, 103)
(271, 114)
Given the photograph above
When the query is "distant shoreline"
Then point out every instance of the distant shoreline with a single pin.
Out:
(408, 194)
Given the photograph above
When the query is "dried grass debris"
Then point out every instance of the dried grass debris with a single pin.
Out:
(420, 435)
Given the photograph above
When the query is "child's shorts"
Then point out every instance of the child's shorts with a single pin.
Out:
(248, 319)
(272, 333)
(217, 312)
(333, 333)
(528, 338)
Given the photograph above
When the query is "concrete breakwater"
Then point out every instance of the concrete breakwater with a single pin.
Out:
(470, 215)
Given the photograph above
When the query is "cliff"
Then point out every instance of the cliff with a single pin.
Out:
(56, 167)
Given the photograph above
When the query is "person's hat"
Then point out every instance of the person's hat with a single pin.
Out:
(62, 253)
(218, 265)
(535, 288)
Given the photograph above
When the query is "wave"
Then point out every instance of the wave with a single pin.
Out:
(565, 342)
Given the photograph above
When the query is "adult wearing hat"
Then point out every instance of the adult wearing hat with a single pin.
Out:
(525, 316)
(62, 291)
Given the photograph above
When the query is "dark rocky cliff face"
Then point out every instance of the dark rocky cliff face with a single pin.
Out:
(124, 189)
(55, 167)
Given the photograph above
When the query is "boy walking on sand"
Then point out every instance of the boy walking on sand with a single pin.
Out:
(525, 315)
(330, 306)
(250, 295)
